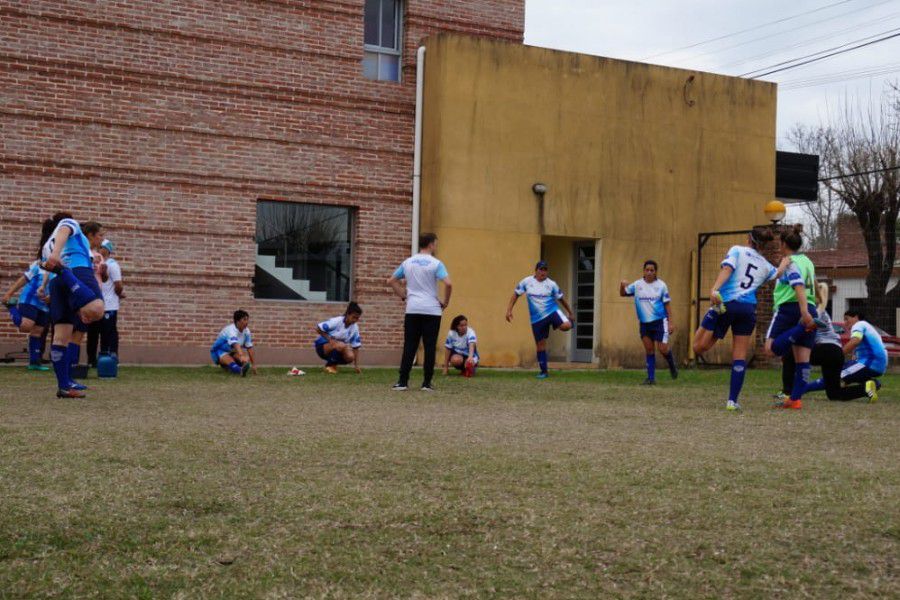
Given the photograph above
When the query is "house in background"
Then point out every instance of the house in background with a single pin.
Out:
(845, 269)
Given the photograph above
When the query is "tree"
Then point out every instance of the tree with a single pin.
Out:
(857, 152)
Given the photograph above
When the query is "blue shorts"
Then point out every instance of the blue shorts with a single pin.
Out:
(65, 303)
(658, 330)
(787, 316)
(857, 372)
(331, 358)
(740, 317)
(29, 311)
(541, 329)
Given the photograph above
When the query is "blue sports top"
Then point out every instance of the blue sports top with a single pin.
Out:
(650, 299)
(35, 276)
(542, 297)
(749, 270)
(77, 251)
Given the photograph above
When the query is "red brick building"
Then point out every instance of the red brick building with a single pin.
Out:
(176, 123)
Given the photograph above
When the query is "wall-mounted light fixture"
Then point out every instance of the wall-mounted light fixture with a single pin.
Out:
(539, 188)
(775, 211)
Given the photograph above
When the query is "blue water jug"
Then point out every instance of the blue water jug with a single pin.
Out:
(107, 366)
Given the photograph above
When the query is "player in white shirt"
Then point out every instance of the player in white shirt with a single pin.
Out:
(106, 330)
(461, 347)
(733, 297)
(422, 322)
(233, 348)
(652, 303)
(544, 299)
(339, 341)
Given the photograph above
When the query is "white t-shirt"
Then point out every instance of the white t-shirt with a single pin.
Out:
(108, 287)
(422, 272)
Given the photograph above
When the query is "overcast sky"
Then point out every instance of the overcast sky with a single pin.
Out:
(643, 30)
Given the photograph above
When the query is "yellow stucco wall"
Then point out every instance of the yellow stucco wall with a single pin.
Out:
(632, 154)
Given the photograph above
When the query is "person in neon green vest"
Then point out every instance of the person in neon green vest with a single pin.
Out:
(795, 303)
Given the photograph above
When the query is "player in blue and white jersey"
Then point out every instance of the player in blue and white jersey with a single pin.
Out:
(339, 341)
(544, 299)
(871, 356)
(461, 347)
(75, 297)
(31, 314)
(652, 303)
(233, 348)
(733, 298)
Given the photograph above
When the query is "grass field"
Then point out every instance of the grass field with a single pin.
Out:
(190, 483)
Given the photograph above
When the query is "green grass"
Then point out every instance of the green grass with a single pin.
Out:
(191, 483)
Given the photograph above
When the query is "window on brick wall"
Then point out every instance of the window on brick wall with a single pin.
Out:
(382, 40)
(303, 252)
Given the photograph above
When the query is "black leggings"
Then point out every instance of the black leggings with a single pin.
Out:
(831, 358)
(416, 328)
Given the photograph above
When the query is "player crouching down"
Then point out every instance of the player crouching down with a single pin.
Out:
(339, 342)
(233, 349)
(462, 347)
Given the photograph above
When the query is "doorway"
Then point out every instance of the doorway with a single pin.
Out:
(583, 280)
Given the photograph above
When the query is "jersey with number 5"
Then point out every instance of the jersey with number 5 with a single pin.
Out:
(749, 271)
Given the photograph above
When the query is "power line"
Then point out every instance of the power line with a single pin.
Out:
(754, 28)
(818, 58)
(872, 172)
(796, 84)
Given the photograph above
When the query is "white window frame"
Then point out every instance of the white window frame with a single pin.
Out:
(398, 50)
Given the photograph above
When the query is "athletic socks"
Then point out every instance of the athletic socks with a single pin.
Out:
(651, 367)
(671, 360)
(814, 386)
(60, 357)
(801, 377)
(738, 370)
(14, 314)
(542, 360)
(235, 368)
(782, 344)
(74, 354)
(34, 350)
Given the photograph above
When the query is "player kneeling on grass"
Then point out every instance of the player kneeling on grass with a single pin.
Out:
(339, 342)
(543, 295)
(233, 349)
(461, 347)
(651, 300)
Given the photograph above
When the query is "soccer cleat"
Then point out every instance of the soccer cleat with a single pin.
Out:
(244, 368)
(74, 385)
(649, 381)
(69, 393)
(872, 390)
(542, 375)
(733, 406)
(399, 387)
(780, 396)
(38, 368)
(426, 388)
(295, 372)
(468, 371)
(789, 404)
(331, 369)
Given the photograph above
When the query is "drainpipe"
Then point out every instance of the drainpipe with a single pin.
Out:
(417, 153)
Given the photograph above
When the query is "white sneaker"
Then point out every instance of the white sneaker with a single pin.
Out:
(397, 387)
(732, 405)
(296, 372)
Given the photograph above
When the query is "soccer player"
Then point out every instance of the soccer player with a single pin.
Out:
(31, 314)
(461, 347)
(422, 322)
(75, 297)
(651, 300)
(106, 330)
(339, 342)
(860, 375)
(733, 299)
(233, 348)
(795, 313)
(544, 298)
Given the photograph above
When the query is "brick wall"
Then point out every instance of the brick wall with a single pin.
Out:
(167, 121)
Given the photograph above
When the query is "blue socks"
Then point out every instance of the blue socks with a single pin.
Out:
(35, 350)
(815, 386)
(74, 354)
(15, 315)
(235, 368)
(782, 344)
(60, 357)
(542, 360)
(801, 377)
(651, 367)
(738, 370)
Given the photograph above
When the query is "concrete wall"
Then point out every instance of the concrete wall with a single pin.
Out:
(638, 156)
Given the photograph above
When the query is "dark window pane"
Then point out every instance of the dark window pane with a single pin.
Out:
(585, 316)
(302, 252)
(389, 24)
(585, 278)
(584, 343)
(586, 291)
(585, 329)
(371, 28)
(585, 304)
